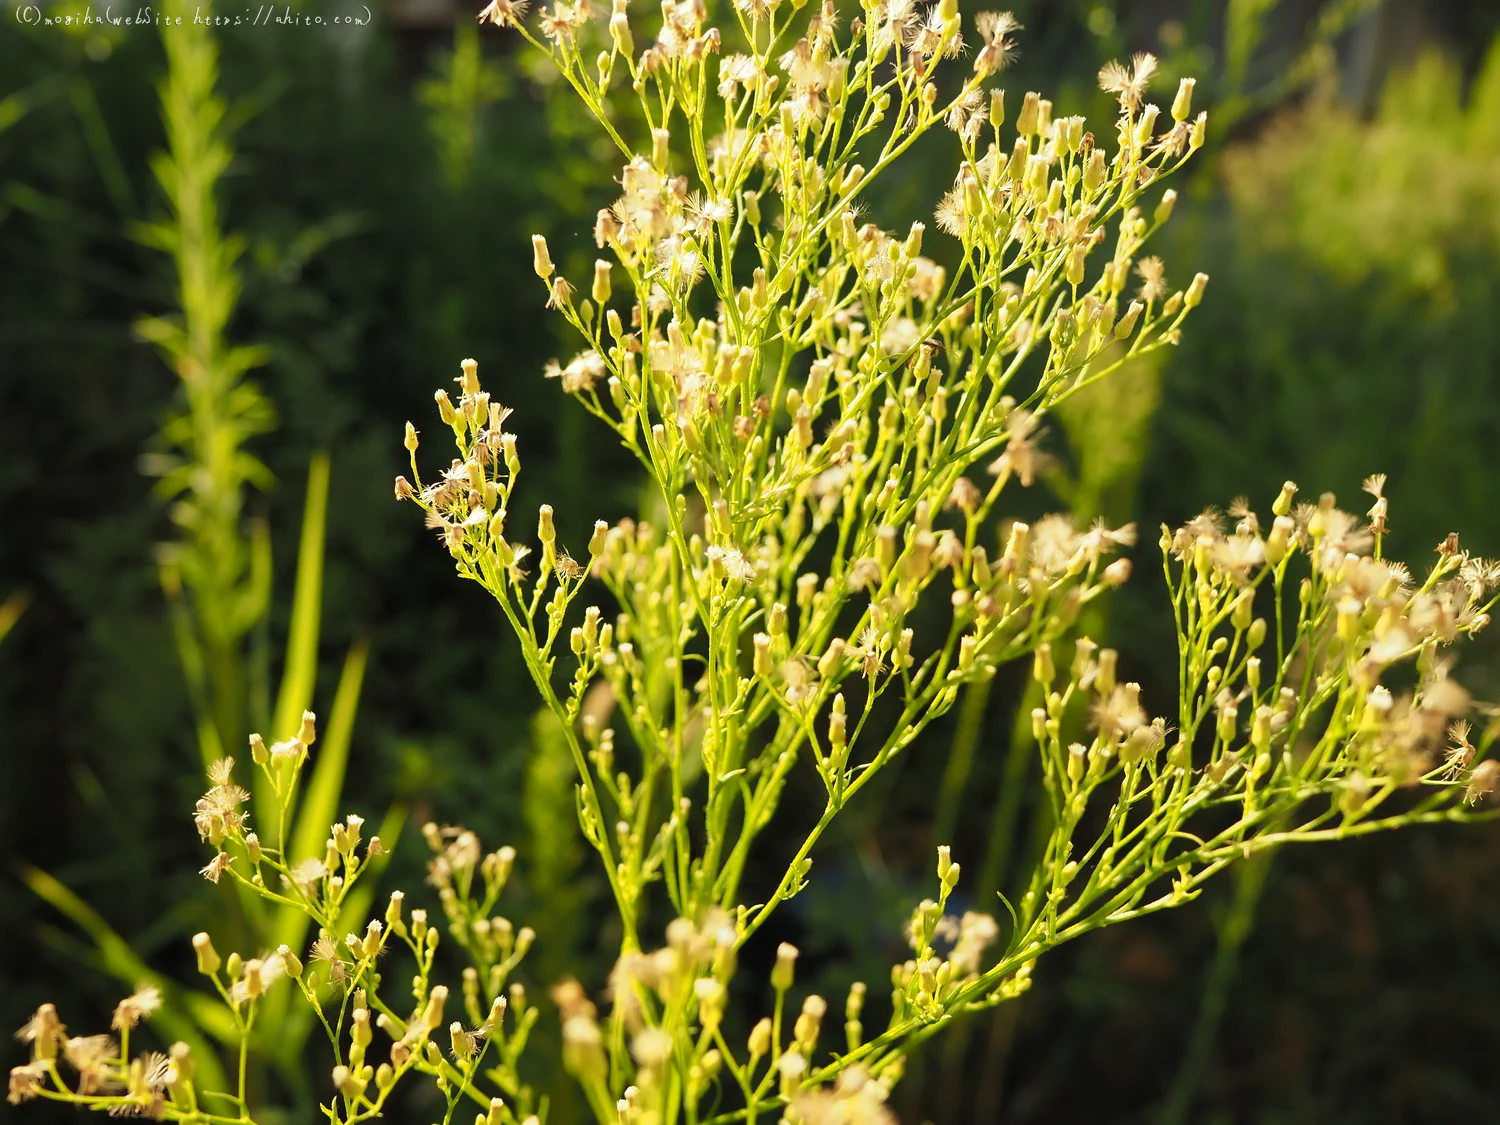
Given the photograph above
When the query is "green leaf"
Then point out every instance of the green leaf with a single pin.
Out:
(319, 806)
(300, 674)
(301, 670)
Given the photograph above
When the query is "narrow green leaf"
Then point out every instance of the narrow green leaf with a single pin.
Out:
(300, 674)
(319, 805)
(301, 670)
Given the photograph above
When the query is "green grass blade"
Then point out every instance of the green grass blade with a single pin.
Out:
(301, 671)
(185, 1013)
(319, 805)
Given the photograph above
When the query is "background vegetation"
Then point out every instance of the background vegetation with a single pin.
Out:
(385, 181)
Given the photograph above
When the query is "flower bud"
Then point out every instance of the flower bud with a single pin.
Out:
(182, 1061)
(289, 961)
(1075, 264)
(619, 32)
(1244, 607)
(432, 1015)
(208, 957)
(1078, 755)
(831, 660)
(837, 720)
(45, 1031)
(1182, 104)
(913, 245)
(1026, 120)
(776, 623)
(1199, 132)
(347, 1082)
(1094, 172)
(760, 1039)
(496, 1017)
(1228, 720)
(785, 967)
(1279, 541)
(949, 875)
(1104, 677)
(1117, 573)
(254, 979)
(762, 663)
(1015, 544)
(1165, 207)
(601, 288)
(1194, 295)
(1043, 670)
(1260, 728)
(810, 1021)
(541, 261)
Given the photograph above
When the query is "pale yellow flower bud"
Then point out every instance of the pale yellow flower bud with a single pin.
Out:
(1194, 295)
(541, 261)
(601, 289)
(1182, 104)
(760, 1039)
(1165, 207)
(785, 968)
(208, 957)
(1026, 120)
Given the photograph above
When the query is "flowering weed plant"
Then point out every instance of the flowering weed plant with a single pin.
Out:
(828, 420)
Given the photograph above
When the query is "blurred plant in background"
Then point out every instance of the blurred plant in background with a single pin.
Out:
(1364, 246)
(217, 573)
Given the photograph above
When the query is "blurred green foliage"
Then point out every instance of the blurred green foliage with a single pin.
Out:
(1354, 327)
(386, 184)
